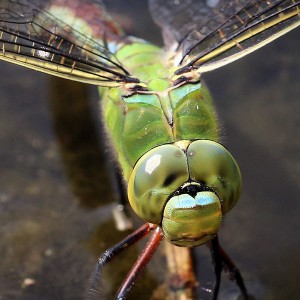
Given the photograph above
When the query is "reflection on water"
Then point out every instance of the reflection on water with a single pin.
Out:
(55, 203)
(81, 150)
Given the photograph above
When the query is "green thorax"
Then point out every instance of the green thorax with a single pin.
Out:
(148, 63)
(165, 114)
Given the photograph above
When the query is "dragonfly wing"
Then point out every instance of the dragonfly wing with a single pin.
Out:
(180, 20)
(81, 47)
(208, 34)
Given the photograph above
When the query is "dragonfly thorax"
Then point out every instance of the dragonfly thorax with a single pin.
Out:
(185, 187)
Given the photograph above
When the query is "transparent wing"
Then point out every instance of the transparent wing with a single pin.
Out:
(81, 47)
(208, 34)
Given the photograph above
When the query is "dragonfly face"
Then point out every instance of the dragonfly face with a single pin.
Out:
(186, 188)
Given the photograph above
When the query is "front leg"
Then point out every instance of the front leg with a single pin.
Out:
(217, 263)
(120, 210)
(219, 256)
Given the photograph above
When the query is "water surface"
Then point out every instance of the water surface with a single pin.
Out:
(56, 195)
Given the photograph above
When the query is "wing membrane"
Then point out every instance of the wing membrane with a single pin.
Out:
(31, 36)
(212, 33)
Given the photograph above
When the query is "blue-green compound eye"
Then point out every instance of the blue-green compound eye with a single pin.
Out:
(158, 174)
(185, 188)
(212, 165)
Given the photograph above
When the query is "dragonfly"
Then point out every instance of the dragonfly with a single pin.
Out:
(157, 112)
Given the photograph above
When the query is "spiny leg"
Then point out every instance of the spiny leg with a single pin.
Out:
(110, 253)
(122, 191)
(140, 264)
(217, 263)
(229, 267)
(233, 272)
(120, 211)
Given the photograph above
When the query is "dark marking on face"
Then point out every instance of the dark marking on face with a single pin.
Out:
(169, 180)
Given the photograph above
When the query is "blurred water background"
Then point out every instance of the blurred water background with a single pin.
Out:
(56, 195)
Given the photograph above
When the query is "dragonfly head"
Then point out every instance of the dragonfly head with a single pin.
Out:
(186, 188)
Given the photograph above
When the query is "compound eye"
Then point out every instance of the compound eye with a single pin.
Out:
(157, 174)
(213, 166)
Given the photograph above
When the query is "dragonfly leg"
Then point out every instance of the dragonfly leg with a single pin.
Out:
(120, 212)
(110, 253)
(140, 264)
(233, 273)
(122, 191)
(217, 263)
